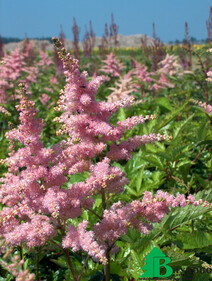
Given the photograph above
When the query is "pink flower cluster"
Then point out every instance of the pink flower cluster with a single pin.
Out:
(12, 68)
(146, 79)
(123, 88)
(112, 66)
(139, 77)
(139, 214)
(16, 270)
(80, 239)
(204, 105)
(170, 65)
(122, 151)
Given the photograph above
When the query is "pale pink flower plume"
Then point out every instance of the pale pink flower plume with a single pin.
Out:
(209, 74)
(124, 87)
(170, 65)
(45, 60)
(207, 107)
(44, 99)
(112, 66)
(12, 68)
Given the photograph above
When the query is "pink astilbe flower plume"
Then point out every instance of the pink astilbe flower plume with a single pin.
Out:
(85, 120)
(162, 83)
(143, 78)
(139, 215)
(12, 69)
(209, 76)
(123, 88)
(170, 65)
(111, 66)
(78, 238)
(45, 60)
(207, 107)
(16, 269)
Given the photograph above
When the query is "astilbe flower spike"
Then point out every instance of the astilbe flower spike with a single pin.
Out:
(123, 88)
(112, 66)
(12, 67)
(15, 268)
(170, 65)
(207, 107)
(139, 214)
(31, 189)
(88, 121)
(209, 76)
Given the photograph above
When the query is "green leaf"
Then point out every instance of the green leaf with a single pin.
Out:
(136, 265)
(131, 190)
(61, 262)
(198, 239)
(184, 162)
(207, 142)
(180, 126)
(165, 103)
(170, 116)
(203, 130)
(180, 257)
(115, 268)
(99, 276)
(205, 195)
(180, 216)
(154, 160)
(139, 181)
(121, 114)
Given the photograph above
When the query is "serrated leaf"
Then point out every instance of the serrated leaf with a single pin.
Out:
(180, 216)
(136, 265)
(121, 114)
(202, 131)
(207, 142)
(184, 162)
(181, 126)
(169, 117)
(139, 181)
(198, 239)
(180, 257)
(206, 195)
(154, 160)
(165, 103)
(131, 190)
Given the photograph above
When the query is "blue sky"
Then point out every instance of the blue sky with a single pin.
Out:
(42, 18)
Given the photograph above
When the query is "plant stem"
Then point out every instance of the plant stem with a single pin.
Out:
(20, 248)
(107, 266)
(192, 226)
(94, 213)
(66, 252)
(37, 267)
(84, 265)
(103, 200)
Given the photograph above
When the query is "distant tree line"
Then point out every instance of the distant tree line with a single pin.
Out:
(192, 39)
(6, 40)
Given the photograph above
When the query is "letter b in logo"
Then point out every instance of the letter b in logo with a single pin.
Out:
(157, 266)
